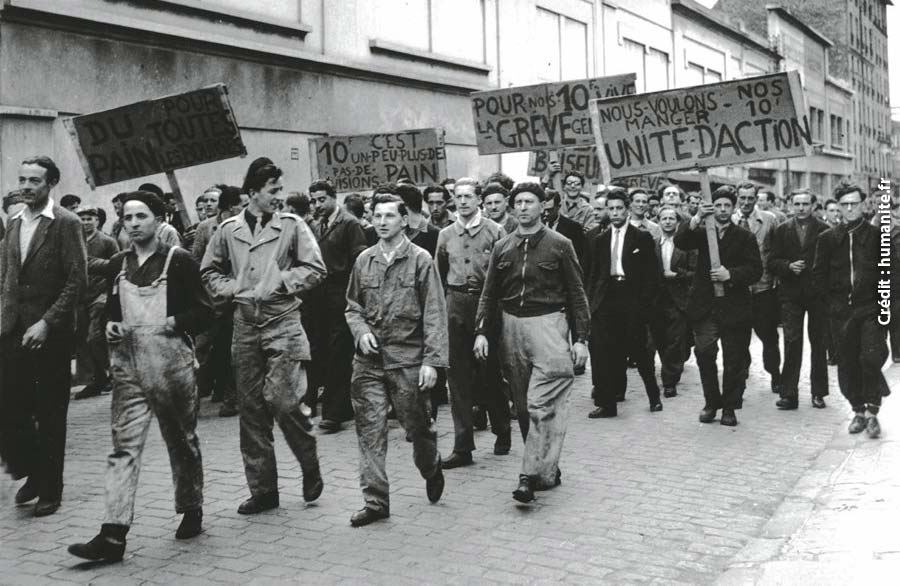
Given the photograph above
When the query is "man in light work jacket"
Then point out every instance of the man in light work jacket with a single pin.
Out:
(263, 260)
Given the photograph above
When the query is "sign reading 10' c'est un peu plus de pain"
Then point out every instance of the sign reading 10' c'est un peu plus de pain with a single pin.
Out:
(733, 122)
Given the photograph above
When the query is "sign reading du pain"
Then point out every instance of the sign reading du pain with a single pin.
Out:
(365, 161)
(732, 122)
(542, 116)
(156, 136)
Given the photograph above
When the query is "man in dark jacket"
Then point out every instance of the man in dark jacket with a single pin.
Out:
(42, 276)
(563, 225)
(791, 253)
(726, 318)
(847, 271)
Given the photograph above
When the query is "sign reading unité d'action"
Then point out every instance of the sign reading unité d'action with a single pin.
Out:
(738, 121)
(156, 136)
(543, 116)
(365, 161)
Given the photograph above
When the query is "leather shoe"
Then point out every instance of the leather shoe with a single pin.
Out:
(367, 516)
(258, 504)
(330, 426)
(707, 416)
(312, 484)
(818, 402)
(602, 413)
(776, 386)
(90, 390)
(108, 546)
(524, 493)
(503, 443)
(457, 460)
(669, 392)
(655, 407)
(787, 404)
(44, 508)
(857, 424)
(873, 428)
(27, 493)
(434, 486)
(191, 525)
(728, 418)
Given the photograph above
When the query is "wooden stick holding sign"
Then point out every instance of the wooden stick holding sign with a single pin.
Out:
(712, 236)
(179, 199)
(557, 177)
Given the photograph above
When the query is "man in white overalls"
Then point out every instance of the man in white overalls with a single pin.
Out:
(156, 302)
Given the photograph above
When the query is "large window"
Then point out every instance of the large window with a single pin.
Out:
(561, 47)
(447, 27)
(650, 65)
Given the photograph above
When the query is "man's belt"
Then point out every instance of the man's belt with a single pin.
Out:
(465, 289)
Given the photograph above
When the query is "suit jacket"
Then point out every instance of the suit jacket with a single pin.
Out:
(676, 291)
(739, 253)
(784, 249)
(340, 243)
(638, 261)
(48, 284)
(572, 230)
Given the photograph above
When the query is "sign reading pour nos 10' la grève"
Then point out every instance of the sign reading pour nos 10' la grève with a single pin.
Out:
(740, 121)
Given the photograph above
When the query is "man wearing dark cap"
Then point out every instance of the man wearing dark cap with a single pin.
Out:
(534, 294)
(91, 349)
(42, 277)
(167, 233)
(495, 200)
(70, 201)
(726, 318)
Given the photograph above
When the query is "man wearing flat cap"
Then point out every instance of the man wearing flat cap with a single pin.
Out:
(725, 318)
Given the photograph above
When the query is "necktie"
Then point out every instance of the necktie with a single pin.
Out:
(744, 223)
(802, 234)
(614, 254)
(324, 225)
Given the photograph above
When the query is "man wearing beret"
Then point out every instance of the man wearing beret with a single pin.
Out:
(725, 318)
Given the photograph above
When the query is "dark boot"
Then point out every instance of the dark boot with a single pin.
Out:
(312, 484)
(524, 493)
(108, 546)
(191, 525)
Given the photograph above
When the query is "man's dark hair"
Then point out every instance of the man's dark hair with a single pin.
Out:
(152, 201)
(812, 196)
(200, 198)
(257, 164)
(654, 197)
(845, 188)
(101, 218)
(748, 185)
(726, 191)
(574, 173)
(830, 201)
(501, 178)
(637, 191)
(229, 196)
(299, 202)
(448, 181)
(51, 171)
(355, 205)
(257, 178)
(322, 185)
(767, 195)
(619, 194)
(118, 197)
(530, 187)
(410, 195)
(389, 197)
(69, 199)
(433, 188)
(492, 188)
(662, 190)
(553, 195)
(151, 188)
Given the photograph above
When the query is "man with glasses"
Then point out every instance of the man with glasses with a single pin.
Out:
(847, 271)
(574, 205)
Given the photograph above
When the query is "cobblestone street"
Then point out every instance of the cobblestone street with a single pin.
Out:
(646, 498)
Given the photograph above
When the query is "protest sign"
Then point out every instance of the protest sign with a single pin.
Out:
(543, 116)
(740, 121)
(365, 161)
(156, 136)
(585, 161)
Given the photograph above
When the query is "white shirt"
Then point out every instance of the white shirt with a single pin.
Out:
(668, 246)
(29, 226)
(620, 244)
(474, 222)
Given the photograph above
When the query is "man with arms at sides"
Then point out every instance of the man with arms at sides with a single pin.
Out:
(341, 239)
(601, 220)
(623, 283)
(262, 261)
(637, 217)
(156, 303)
(398, 318)
(669, 323)
(847, 273)
(42, 277)
(791, 256)
(552, 219)
(533, 292)
(437, 197)
(765, 297)
(91, 313)
(463, 251)
(833, 217)
(495, 200)
(727, 318)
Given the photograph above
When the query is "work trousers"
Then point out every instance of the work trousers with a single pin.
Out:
(669, 329)
(91, 348)
(332, 351)
(862, 350)
(271, 382)
(792, 318)
(536, 359)
(765, 325)
(149, 380)
(735, 340)
(34, 405)
(215, 374)
(373, 388)
(620, 334)
(471, 381)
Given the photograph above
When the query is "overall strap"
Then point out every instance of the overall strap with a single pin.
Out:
(165, 271)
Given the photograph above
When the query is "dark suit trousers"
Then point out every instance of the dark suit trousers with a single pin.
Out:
(618, 334)
(669, 329)
(471, 381)
(792, 318)
(735, 347)
(34, 405)
(765, 325)
(332, 351)
(862, 350)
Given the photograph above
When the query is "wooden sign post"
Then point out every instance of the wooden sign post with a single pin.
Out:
(176, 191)
(712, 236)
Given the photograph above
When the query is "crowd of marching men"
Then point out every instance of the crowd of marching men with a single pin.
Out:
(491, 294)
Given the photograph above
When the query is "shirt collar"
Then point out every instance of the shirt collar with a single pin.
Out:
(47, 212)
(473, 225)
(333, 215)
(400, 252)
(532, 238)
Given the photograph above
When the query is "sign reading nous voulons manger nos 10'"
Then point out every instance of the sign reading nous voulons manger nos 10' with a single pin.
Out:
(740, 121)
